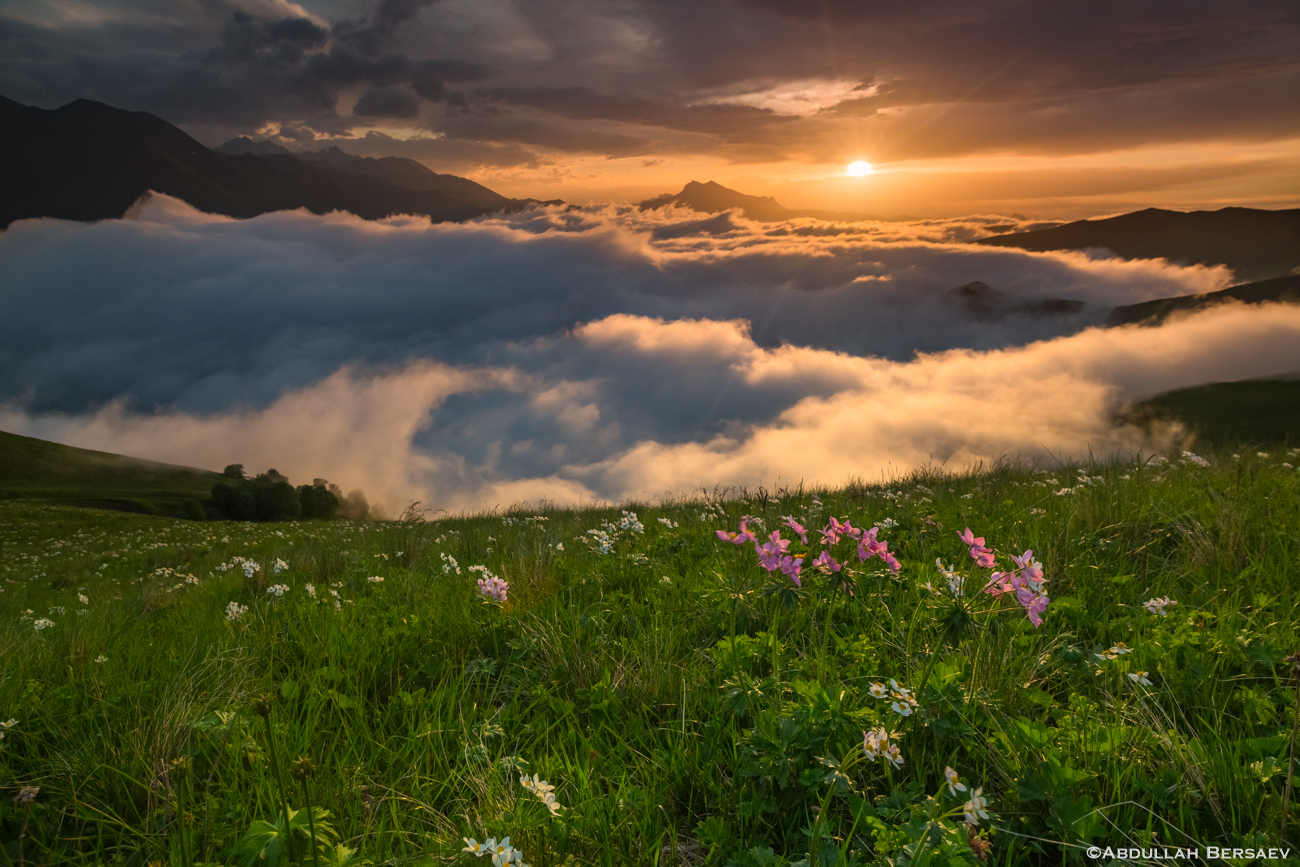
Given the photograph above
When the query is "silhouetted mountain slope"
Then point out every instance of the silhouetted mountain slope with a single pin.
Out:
(1284, 289)
(1255, 244)
(712, 197)
(90, 161)
(245, 145)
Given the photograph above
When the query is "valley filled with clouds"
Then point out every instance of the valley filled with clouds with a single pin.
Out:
(583, 354)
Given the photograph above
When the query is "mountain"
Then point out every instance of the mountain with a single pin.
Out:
(1249, 412)
(712, 198)
(1255, 244)
(245, 145)
(90, 161)
(984, 303)
(36, 469)
(1282, 289)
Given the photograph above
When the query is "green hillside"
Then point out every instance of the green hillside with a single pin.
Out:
(38, 470)
(1250, 412)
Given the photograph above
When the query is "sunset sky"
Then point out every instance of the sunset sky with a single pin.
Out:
(1046, 109)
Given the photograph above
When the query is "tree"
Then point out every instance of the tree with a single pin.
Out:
(234, 471)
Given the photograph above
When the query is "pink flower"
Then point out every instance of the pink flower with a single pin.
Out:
(799, 530)
(826, 563)
(832, 532)
(999, 583)
(737, 538)
(493, 588)
(1030, 569)
(791, 566)
(970, 539)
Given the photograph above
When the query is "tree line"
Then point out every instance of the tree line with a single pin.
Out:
(269, 496)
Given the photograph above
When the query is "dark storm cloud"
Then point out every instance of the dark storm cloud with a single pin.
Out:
(394, 102)
(933, 78)
(731, 122)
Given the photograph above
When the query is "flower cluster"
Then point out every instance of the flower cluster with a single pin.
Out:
(903, 700)
(1026, 580)
(449, 564)
(502, 852)
(877, 744)
(42, 623)
(280, 564)
(775, 553)
(1158, 605)
(974, 808)
(376, 579)
(544, 791)
(278, 590)
(1190, 458)
(234, 611)
(490, 586)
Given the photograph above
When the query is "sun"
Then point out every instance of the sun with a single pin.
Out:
(858, 169)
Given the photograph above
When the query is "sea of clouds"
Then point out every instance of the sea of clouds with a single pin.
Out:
(587, 354)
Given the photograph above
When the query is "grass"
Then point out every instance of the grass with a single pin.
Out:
(688, 707)
(33, 469)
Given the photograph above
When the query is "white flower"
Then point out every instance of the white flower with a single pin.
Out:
(278, 590)
(311, 590)
(101, 659)
(42, 623)
(974, 808)
(968, 496)
(1139, 677)
(502, 853)
(280, 564)
(85, 600)
(234, 611)
(473, 846)
(9, 724)
(376, 579)
(954, 785)
(878, 690)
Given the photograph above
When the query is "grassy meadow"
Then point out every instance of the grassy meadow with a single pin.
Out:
(182, 692)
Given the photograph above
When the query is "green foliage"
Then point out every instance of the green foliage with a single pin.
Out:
(681, 714)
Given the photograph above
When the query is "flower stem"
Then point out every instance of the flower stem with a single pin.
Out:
(311, 823)
(1290, 768)
(284, 794)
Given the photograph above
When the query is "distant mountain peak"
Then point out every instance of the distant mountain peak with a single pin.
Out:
(711, 197)
(245, 145)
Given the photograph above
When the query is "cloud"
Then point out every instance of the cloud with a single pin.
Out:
(387, 102)
(574, 354)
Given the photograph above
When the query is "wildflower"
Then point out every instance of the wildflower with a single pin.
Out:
(1139, 677)
(473, 846)
(278, 590)
(85, 600)
(798, 529)
(974, 808)
(449, 564)
(311, 590)
(791, 566)
(376, 579)
(280, 564)
(954, 785)
(665, 580)
(968, 496)
(1115, 652)
(878, 690)
(1157, 605)
(42, 623)
(234, 611)
(101, 659)
(1195, 459)
(1261, 454)
(9, 724)
(834, 531)
(876, 744)
(492, 587)
(955, 582)
(669, 523)
(502, 853)
(739, 538)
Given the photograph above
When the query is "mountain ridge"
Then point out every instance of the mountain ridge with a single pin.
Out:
(1256, 244)
(90, 161)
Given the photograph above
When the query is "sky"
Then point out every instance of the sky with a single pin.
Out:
(602, 354)
(1049, 110)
